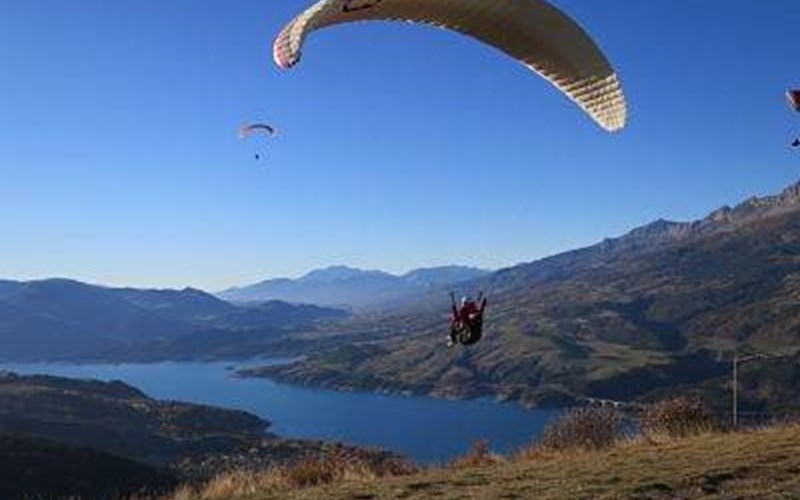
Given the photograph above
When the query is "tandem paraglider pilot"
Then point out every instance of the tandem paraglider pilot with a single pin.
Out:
(466, 320)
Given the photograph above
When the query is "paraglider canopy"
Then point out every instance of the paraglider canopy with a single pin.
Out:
(246, 131)
(533, 32)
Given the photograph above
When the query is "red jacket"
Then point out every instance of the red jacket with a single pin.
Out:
(467, 311)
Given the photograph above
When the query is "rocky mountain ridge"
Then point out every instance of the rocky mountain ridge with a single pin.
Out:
(723, 219)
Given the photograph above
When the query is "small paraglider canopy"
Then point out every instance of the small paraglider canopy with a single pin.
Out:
(251, 129)
(533, 32)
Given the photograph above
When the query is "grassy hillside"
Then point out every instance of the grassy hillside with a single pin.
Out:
(756, 464)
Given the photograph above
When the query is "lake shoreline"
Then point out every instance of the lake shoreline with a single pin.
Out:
(302, 375)
(426, 429)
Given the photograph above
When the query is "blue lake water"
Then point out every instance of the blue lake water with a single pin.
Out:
(426, 429)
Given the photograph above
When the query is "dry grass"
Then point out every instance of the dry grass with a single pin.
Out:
(584, 429)
(316, 471)
(480, 455)
(235, 484)
(676, 417)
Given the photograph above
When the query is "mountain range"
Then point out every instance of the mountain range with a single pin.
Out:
(662, 307)
(342, 286)
(64, 319)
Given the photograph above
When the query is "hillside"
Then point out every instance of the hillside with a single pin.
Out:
(192, 440)
(67, 320)
(758, 464)
(661, 307)
(46, 470)
(342, 286)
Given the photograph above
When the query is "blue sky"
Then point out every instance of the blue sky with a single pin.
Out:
(400, 146)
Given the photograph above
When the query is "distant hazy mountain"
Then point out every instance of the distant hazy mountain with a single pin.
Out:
(62, 319)
(346, 286)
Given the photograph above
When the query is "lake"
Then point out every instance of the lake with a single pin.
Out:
(428, 430)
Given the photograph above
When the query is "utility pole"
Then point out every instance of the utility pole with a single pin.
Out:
(735, 391)
(736, 361)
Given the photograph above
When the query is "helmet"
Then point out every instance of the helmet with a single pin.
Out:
(465, 299)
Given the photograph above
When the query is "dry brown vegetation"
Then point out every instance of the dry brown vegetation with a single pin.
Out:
(676, 417)
(480, 455)
(584, 428)
(316, 471)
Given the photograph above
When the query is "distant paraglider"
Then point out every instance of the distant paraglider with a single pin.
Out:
(793, 96)
(466, 320)
(253, 129)
(533, 32)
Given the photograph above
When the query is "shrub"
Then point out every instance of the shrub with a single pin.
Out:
(340, 466)
(479, 455)
(313, 471)
(584, 428)
(235, 484)
(676, 417)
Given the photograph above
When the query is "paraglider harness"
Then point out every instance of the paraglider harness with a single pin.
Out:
(466, 323)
